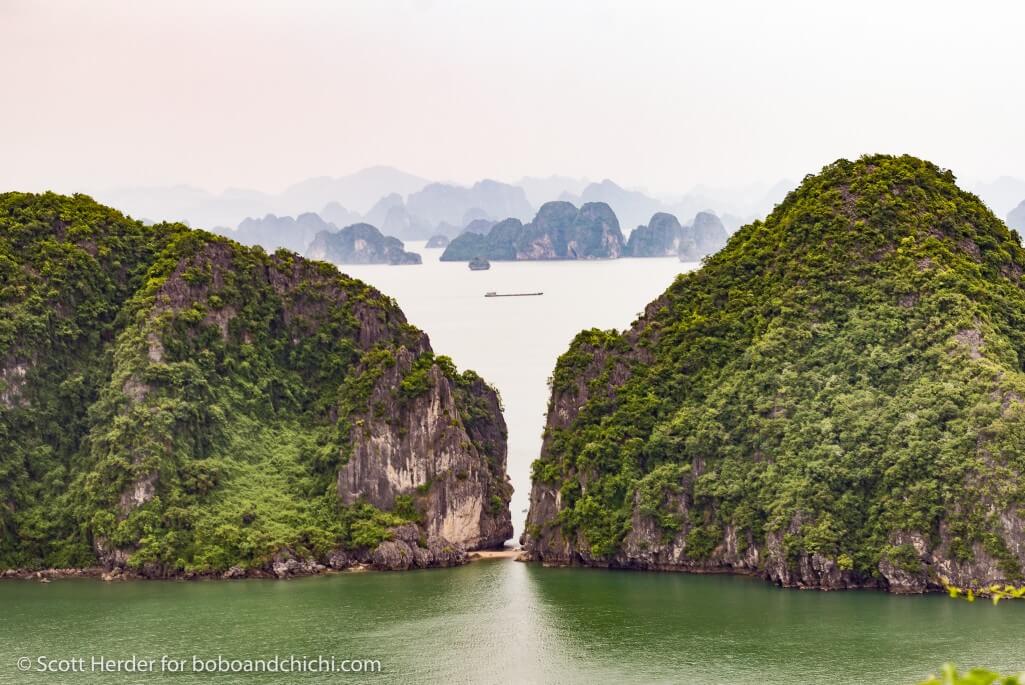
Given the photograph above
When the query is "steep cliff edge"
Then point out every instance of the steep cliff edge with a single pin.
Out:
(172, 402)
(834, 400)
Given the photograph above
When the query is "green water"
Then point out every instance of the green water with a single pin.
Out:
(498, 621)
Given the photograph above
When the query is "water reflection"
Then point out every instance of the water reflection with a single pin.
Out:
(504, 622)
(673, 627)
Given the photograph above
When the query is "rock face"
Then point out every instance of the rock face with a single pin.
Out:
(660, 238)
(833, 401)
(706, 235)
(433, 437)
(437, 242)
(198, 407)
(360, 244)
(1016, 219)
(558, 231)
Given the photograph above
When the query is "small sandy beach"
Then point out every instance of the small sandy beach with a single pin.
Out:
(504, 553)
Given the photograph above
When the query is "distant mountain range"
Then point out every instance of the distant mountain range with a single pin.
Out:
(411, 207)
(1016, 218)
(360, 244)
(272, 232)
(561, 231)
(665, 237)
(354, 193)
(1002, 195)
(542, 190)
(735, 207)
(1006, 197)
(558, 231)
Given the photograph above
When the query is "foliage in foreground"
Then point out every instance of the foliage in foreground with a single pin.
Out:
(976, 676)
(995, 592)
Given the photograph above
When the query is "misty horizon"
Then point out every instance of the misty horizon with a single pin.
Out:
(661, 97)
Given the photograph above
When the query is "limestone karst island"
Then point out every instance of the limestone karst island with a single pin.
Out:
(512, 343)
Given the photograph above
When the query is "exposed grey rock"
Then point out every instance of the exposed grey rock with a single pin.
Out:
(12, 378)
(409, 549)
(340, 559)
(452, 462)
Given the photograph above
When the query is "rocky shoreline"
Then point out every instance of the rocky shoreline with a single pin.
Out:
(405, 551)
(398, 555)
(846, 582)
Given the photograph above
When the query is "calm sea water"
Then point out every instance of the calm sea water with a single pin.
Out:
(498, 621)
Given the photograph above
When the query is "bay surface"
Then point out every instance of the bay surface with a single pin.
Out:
(499, 621)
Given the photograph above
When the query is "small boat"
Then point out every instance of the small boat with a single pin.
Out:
(479, 264)
(494, 294)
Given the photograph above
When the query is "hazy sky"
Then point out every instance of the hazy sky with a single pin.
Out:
(663, 95)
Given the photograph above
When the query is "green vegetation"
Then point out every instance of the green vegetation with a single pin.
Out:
(976, 676)
(995, 592)
(849, 369)
(173, 395)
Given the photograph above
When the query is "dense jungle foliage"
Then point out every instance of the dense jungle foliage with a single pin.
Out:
(170, 392)
(848, 368)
